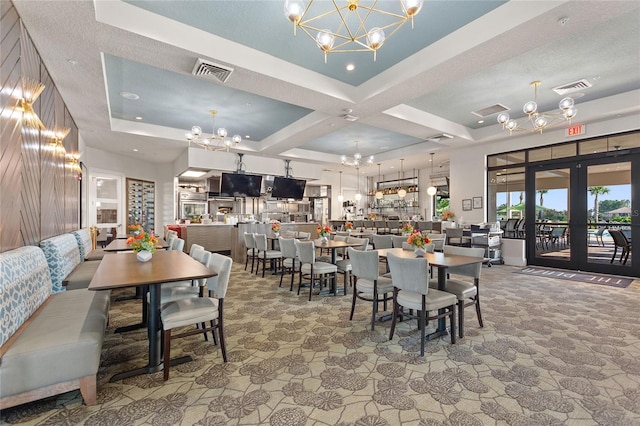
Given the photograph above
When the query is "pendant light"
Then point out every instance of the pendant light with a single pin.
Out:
(432, 189)
(402, 192)
(358, 195)
(379, 193)
(340, 195)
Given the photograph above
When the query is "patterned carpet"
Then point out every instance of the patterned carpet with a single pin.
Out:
(552, 352)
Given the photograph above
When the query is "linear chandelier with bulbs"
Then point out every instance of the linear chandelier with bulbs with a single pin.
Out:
(535, 120)
(217, 141)
(356, 161)
(349, 18)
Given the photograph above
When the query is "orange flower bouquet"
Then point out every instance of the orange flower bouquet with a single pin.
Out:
(418, 241)
(348, 226)
(275, 227)
(141, 240)
(447, 215)
(407, 229)
(324, 231)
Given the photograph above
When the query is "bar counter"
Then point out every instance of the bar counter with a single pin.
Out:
(214, 237)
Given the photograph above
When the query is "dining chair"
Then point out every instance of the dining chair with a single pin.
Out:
(198, 310)
(265, 254)
(439, 240)
(289, 259)
(368, 284)
(467, 293)
(455, 237)
(411, 290)
(309, 267)
(303, 235)
(250, 243)
(381, 227)
(398, 240)
(393, 226)
(177, 244)
(339, 251)
(344, 265)
(170, 292)
(619, 240)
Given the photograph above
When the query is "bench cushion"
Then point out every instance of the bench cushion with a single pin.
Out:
(63, 255)
(63, 342)
(25, 284)
(82, 275)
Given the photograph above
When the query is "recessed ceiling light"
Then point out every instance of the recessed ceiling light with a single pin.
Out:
(247, 136)
(129, 95)
(135, 149)
(392, 167)
(72, 61)
(480, 121)
(138, 118)
(351, 67)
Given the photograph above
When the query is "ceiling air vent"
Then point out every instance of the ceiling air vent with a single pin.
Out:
(350, 117)
(572, 87)
(211, 69)
(490, 110)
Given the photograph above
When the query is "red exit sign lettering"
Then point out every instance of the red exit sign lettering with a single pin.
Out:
(578, 129)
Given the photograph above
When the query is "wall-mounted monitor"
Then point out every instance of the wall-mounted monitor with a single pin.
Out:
(240, 185)
(288, 188)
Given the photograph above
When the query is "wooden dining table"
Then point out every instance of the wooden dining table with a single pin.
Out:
(442, 261)
(121, 245)
(334, 245)
(125, 270)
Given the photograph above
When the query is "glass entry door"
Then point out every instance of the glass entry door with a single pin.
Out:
(585, 214)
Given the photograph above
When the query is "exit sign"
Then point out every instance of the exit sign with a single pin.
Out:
(578, 129)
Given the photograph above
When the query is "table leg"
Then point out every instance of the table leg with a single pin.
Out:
(154, 330)
(442, 326)
(143, 322)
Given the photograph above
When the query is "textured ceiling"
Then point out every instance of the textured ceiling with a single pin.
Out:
(461, 56)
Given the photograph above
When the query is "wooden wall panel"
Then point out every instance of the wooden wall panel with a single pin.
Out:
(10, 128)
(39, 193)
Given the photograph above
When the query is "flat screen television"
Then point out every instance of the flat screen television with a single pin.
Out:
(239, 185)
(288, 188)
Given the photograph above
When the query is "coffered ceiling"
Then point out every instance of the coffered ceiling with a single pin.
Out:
(286, 102)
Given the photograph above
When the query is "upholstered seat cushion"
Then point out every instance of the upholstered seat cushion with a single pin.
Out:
(436, 299)
(62, 343)
(320, 268)
(188, 312)
(288, 263)
(327, 259)
(97, 254)
(81, 276)
(270, 254)
(385, 285)
(461, 289)
(344, 265)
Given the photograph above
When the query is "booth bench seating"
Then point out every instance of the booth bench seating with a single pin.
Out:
(50, 340)
(68, 268)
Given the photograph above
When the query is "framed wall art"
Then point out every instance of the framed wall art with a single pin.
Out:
(477, 202)
(466, 204)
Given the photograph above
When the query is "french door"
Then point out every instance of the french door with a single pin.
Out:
(576, 208)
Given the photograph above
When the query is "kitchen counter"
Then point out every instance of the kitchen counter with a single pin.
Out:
(214, 237)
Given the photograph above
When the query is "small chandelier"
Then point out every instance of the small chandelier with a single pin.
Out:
(535, 119)
(431, 190)
(356, 161)
(350, 20)
(218, 140)
(358, 195)
(379, 194)
(340, 195)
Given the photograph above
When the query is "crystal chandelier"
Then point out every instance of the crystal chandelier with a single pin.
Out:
(351, 34)
(356, 161)
(217, 141)
(536, 121)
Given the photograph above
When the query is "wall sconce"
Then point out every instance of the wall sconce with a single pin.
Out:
(31, 89)
(57, 136)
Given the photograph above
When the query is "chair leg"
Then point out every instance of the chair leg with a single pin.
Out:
(223, 346)
(299, 280)
(281, 275)
(206, 335)
(478, 311)
(615, 251)
(394, 317)
(452, 320)
(374, 311)
(213, 333)
(293, 272)
(264, 265)
(167, 353)
(422, 325)
(460, 319)
(311, 284)
(353, 303)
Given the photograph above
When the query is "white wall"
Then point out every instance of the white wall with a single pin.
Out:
(133, 167)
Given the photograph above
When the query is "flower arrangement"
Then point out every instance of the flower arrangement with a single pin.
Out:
(417, 240)
(407, 229)
(323, 230)
(275, 227)
(140, 240)
(348, 226)
(447, 215)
